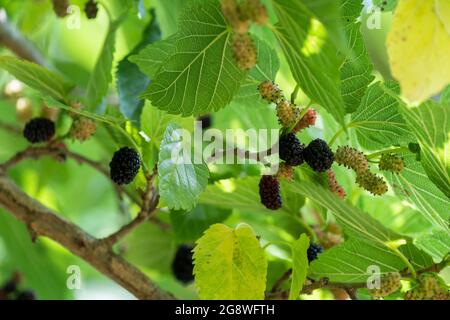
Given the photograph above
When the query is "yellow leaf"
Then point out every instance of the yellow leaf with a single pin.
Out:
(230, 264)
(419, 47)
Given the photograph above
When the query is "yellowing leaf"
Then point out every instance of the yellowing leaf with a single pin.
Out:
(230, 264)
(418, 47)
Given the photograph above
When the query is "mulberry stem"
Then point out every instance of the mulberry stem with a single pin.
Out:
(394, 150)
(406, 261)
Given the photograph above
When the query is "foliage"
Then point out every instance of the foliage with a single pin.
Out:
(147, 72)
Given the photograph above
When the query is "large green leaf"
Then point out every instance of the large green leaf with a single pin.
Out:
(351, 261)
(230, 264)
(189, 226)
(436, 244)
(430, 124)
(311, 56)
(414, 185)
(354, 221)
(200, 75)
(243, 195)
(151, 58)
(150, 247)
(356, 71)
(101, 76)
(180, 180)
(37, 77)
(299, 265)
(378, 122)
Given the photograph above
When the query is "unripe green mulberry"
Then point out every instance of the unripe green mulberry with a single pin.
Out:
(285, 171)
(441, 295)
(372, 183)
(287, 113)
(389, 283)
(351, 158)
(82, 129)
(309, 119)
(390, 162)
(418, 293)
(244, 50)
(334, 185)
(256, 11)
(236, 16)
(270, 92)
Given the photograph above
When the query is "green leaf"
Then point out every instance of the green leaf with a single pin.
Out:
(52, 103)
(436, 244)
(378, 122)
(201, 75)
(350, 262)
(414, 185)
(37, 262)
(101, 76)
(150, 247)
(266, 69)
(154, 122)
(230, 264)
(243, 195)
(329, 13)
(189, 226)
(356, 71)
(180, 181)
(152, 57)
(354, 221)
(385, 5)
(37, 77)
(299, 266)
(311, 57)
(430, 124)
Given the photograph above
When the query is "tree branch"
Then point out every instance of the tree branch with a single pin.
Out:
(43, 222)
(12, 39)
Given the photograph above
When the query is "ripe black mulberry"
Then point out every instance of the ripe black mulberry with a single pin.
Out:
(124, 165)
(39, 130)
(182, 265)
(313, 251)
(291, 150)
(318, 155)
(91, 9)
(269, 192)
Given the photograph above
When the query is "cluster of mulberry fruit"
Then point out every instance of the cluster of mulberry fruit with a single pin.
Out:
(10, 290)
(269, 192)
(429, 288)
(239, 15)
(389, 283)
(124, 165)
(357, 161)
(39, 130)
(317, 154)
(183, 265)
